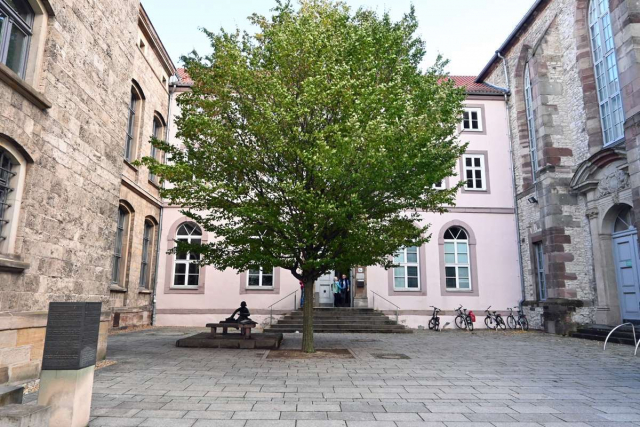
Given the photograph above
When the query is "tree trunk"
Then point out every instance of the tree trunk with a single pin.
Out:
(307, 319)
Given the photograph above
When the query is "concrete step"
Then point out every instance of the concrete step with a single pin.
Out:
(381, 321)
(350, 331)
(595, 337)
(24, 416)
(278, 327)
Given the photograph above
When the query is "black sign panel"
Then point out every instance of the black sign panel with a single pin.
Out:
(71, 342)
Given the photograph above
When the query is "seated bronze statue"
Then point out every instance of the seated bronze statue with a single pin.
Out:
(243, 315)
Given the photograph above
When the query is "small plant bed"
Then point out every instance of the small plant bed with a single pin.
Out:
(338, 353)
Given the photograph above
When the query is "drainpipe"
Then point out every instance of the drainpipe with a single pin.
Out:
(155, 285)
(513, 177)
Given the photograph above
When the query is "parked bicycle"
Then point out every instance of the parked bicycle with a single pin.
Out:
(434, 323)
(464, 320)
(494, 320)
(520, 322)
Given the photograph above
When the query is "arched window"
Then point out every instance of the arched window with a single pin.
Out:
(158, 133)
(135, 109)
(16, 28)
(623, 221)
(7, 174)
(456, 259)
(122, 239)
(606, 71)
(531, 121)
(148, 252)
(186, 272)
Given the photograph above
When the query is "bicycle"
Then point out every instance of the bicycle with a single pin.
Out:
(494, 320)
(463, 320)
(522, 321)
(434, 323)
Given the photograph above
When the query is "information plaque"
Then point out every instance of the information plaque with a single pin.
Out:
(71, 341)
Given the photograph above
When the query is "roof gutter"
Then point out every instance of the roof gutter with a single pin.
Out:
(502, 49)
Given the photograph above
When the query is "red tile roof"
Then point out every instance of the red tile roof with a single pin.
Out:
(183, 78)
(467, 82)
(473, 88)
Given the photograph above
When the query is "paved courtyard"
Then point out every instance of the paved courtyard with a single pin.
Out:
(451, 379)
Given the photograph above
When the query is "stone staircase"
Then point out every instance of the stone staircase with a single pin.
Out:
(340, 320)
(623, 335)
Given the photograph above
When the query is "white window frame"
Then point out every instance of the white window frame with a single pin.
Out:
(440, 185)
(531, 121)
(400, 259)
(605, 66)
(482, 168)
(540, 271)
(260, 275)
(457, 264)
(11, 211)
(188, 261)
(470, 110)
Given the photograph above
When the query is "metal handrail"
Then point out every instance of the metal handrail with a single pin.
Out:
(374, 303)
(295, 305)
(633, 328)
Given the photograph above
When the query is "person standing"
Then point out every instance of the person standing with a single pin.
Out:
(345, 284)
(335, 289)
(301, 294)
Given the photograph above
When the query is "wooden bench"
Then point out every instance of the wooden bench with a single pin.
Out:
(245, 328)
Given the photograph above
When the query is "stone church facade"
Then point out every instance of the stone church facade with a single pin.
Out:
(572, 71)
(67, 79)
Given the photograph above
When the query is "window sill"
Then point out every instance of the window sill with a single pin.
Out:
(406, 290)
(259, 288)
(12, 265)
(472, 130)
(14, 81)
(460, 291)
(128, 163)
(144, 291)
(116, 288)
(154, 184)
(184, 288)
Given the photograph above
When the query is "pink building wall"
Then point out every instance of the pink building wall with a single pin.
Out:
(487, 216)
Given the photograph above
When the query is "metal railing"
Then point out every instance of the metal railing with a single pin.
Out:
(633, 329)
(380, 296)
(295, 305)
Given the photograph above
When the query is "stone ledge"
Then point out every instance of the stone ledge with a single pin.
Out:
(14, 81)
(25, 415)
(33, 319)
(13, 265)
(115, 288)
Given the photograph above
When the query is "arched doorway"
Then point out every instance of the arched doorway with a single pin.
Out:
(625, 255)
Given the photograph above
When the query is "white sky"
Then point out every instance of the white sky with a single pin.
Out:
(467, 32)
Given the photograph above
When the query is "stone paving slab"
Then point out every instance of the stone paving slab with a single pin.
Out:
(451, 379)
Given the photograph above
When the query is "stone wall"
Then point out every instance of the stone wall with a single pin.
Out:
(555, 44)
(132, 302)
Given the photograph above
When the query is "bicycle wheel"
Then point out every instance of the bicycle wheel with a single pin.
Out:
(500, 322)
(525, 323)
(511, 322)
(432, 324)
(488, 321)
(469, 323)
(460, 323)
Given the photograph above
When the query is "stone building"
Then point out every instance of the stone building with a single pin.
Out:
(572, 71)
(66, 69)
(133, 273)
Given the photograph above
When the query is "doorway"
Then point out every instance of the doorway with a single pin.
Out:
(625, 255)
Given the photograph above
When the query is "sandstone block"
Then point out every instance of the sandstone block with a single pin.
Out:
(24, 416)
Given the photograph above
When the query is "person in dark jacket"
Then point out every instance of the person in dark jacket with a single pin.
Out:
(345, 286)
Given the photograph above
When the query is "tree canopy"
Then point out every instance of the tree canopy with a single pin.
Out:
(313, 143)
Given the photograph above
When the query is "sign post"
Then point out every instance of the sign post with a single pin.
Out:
(68, 362)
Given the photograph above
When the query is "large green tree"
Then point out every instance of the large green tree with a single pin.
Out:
(314, 143)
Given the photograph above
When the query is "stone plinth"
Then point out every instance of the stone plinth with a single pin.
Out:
(257, 341)
(68, 393)
(24, 416)
(11, 395)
